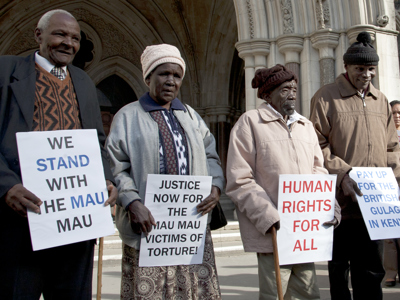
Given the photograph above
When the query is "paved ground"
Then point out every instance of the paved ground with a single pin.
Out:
(237, 270)
(237, 276)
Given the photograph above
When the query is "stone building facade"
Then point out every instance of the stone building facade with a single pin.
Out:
(222, 41)
(310, 38)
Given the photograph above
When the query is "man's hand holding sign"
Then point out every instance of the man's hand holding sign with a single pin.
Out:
(20, 199)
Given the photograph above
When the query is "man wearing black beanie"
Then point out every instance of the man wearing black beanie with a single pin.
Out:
(353, 121)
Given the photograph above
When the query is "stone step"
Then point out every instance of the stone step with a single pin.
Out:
(232, 225)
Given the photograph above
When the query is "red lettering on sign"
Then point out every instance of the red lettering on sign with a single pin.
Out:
(287, 186)
(298, 246)
(306, 225)
(327, 204)
(286, 204)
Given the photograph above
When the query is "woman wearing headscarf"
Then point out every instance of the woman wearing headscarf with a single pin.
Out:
(159, 135)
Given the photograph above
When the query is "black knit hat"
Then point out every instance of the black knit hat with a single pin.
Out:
(361, 52)
(266, 80)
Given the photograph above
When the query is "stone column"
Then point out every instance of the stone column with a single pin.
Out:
(325, 40)
(254, 53)
(219, 124)
(291, 46)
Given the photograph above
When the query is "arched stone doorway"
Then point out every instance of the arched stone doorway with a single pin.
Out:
(311, 36)
(204, 31)
(113, 94)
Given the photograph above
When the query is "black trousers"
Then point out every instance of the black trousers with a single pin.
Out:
(354, 252)
(59, 273)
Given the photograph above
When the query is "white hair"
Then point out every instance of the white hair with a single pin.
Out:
(45, 19)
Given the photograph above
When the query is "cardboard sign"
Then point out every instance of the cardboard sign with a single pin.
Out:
(380, 205)
(64, 169)
(178, 238)
(305, 203)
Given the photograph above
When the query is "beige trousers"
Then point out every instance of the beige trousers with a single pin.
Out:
(391, 258)
(299, 281)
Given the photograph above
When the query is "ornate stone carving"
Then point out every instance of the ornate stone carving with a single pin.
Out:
(251, 21)
(25, 42)
(287, 16)
(327, 70)
(323, 14)
(382, 21)
(114, 41)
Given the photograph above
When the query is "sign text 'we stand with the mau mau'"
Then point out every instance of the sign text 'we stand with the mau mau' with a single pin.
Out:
(178, 238)
(305, 202)
(64, 169)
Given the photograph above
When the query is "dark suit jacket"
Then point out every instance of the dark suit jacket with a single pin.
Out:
(17, 97)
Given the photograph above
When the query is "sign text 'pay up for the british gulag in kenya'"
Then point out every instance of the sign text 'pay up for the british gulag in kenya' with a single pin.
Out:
(379, 204)
(305, 203)
(64, 169)
(178, 238)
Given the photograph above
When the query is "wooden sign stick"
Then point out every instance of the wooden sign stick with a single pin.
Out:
(277, 267)
(100, 269)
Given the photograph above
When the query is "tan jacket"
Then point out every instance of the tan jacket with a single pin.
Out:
(352, 134)
(261, 147)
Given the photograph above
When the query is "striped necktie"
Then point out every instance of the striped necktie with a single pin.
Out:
(58, 72)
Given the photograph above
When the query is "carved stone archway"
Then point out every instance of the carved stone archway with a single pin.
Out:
(204, 31)
(310, 38)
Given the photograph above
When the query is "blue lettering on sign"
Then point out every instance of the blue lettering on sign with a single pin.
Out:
(382, 210)
(41, 163)
(381, 198)
(390, 222)
(53, 163)
(364, 174)
(78, 202)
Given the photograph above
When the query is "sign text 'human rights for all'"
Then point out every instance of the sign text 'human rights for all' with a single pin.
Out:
(305, 203)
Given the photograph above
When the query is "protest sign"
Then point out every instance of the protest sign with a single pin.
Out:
(64, 169)
(178, 238)
(379, 204)
(305, 203)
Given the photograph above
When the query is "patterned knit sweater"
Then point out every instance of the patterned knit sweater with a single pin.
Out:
(56, 106)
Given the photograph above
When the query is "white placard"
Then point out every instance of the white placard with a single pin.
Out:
(305, 203)
(380, 205)
(64, 169)
(178, 238)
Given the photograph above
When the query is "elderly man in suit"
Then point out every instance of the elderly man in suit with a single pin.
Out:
(39, 93)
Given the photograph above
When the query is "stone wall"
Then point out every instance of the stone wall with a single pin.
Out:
(311, 36)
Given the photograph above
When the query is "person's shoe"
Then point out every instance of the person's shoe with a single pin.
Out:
(390, 283)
